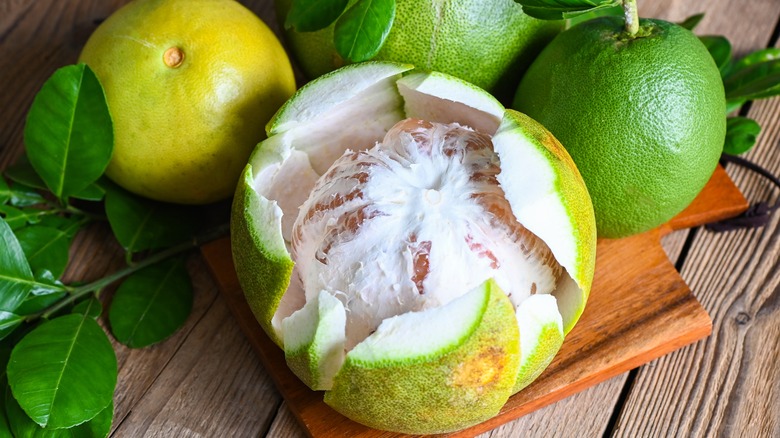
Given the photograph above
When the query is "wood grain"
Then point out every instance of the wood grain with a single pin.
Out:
(639, 309)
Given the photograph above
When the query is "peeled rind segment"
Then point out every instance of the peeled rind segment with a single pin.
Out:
(262, 262)
(549, 197)
(331, 91)
(314, 339)
(437, 97)
(541, 336)
(394, 381)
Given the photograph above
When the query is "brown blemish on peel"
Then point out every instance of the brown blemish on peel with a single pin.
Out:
(173, 57)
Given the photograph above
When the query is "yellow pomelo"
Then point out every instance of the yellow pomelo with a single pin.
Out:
(190, 85)
(480, 41)
(384, 199)
(643, 118)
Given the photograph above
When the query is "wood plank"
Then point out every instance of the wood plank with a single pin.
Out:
(619, 330)
(728, 384)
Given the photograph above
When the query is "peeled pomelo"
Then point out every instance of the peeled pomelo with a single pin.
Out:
(418, 251)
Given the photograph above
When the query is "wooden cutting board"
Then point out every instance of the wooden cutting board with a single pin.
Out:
(639, 309)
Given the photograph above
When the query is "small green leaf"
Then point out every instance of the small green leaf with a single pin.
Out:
(90, 307)
(720, 49)
(9, 322)
(40, 300)
(733, 105)
(758, 57)
(5, 191)
(23, 426)
(140, 224)
(560, 9)
(19, 217)
(69, 134)
(604, 11)
(22, 172)
(93, 192)
(691, 22)
(16, 278)
(360, 33)
(151, 304)
(63, 373)
(46, 248)
(741, 135)
(313, 15)
(757, 79)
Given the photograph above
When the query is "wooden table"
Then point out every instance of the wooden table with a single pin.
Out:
(207, 381)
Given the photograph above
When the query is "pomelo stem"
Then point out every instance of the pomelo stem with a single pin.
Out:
(632, 16)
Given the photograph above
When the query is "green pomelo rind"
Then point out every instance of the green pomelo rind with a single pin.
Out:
(458, 385)
(314, 340)
(262, 263)
(644, 121)
(486, 42)
(541, 337)
(549, 197)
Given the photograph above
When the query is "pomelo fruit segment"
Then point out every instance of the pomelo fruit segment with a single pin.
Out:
(644, 119)
(456, 177)
(435, 371)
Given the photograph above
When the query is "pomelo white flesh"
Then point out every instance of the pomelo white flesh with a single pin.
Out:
(353, 109)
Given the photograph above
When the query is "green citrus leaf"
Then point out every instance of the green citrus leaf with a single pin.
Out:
(63, 373)
(16, 278)
(559, 9)
(151, 304)
(9, 322)
(40, 300)
(19, 194)
(360, 33)
(23, 426)
(90, 307)
(741, 135)
(22, 172)
(69, 134)
(691, 22)
(607, 10)
(313, 15)
(733, 105)
(93, 192)
(140, 224)
(46, 248)
(19, 217)
(720, 49)
(756, 76)
(5, 191)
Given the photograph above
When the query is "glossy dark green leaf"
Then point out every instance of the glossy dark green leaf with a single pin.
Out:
(140, 224)
(733, 105)
(606, 11)
(9, 322)
(16, 278)
(90, 307)
(93, 192)
(46, 248)
(691, 22)
(64, 372)
(361, 31)
(20, 217)
(23, 426)
(151, 304)
(40, 300)
(560, 9)
(758, 57)
(757, 79)
(22, 172)
(69, 134)
(741, 135)
(720, 49)
(313, 15)
(19, 194)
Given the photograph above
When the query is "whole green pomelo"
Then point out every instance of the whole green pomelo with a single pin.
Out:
(481, 41)
(643, 117)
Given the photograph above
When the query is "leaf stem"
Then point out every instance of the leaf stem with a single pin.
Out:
(77, 292)
(631, 13)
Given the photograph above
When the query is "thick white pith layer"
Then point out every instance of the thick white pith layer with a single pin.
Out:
(374, 275)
